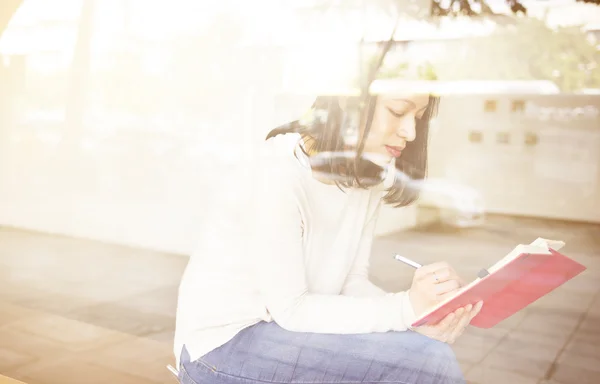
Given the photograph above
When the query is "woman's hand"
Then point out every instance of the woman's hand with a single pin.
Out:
(452, 326)
(432, 284)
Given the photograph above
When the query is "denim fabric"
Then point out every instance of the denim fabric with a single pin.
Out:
(266, 353)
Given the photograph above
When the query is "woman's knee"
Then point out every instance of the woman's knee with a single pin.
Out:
(424, 360)
(441, 350)
(442, 359)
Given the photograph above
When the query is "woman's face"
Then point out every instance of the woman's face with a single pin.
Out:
(394, 124)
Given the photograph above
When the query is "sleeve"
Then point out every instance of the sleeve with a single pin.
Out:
(280, 268)
(357, 283)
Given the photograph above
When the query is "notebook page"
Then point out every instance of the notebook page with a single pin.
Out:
(539, 246)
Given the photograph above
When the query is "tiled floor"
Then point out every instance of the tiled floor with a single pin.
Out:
(76, 311)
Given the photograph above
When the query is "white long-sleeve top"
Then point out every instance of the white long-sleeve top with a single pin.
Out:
(285, 248)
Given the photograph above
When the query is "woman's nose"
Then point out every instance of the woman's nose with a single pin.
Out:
(406, 128)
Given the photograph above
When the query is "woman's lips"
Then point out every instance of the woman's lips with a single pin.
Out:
(394, 151)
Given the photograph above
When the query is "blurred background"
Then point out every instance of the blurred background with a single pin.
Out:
(118, 118)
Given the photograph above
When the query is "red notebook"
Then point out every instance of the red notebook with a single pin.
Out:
(522, 277)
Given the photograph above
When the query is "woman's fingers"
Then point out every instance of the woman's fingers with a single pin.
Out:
(445, 328)
(470, 312)
(430, 268)
(436, 272)
(453, 325)
(459, 313)
(445, 325)
(461, 324)
(439, 330)
(476, 310)
(447, 295)
(449, 286)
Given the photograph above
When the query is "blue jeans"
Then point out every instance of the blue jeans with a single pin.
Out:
(266, 353)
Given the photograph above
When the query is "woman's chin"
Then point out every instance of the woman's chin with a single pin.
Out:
(381, 159)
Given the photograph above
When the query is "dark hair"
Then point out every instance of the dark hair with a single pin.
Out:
(325, 133)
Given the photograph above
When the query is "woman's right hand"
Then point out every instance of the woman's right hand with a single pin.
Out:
(432, 284)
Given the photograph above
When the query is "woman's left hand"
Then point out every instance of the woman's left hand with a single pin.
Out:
(452, 326)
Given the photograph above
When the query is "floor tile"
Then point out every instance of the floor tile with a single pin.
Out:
(465, 366)
(586, 282)
(161, 301)
(590, 324)
(487, 375)
(71, 335)
(165, 337)
(595, 308)
(575, 360)
(472, 348)
(56, 304)
(526, 349)
(77, 371)
(105, 291)
(469, 355)
(584, 348)
(509, 323)
(10, 359)
(10, 313)
(551, 320)
(587, 336)
(552, 342)
(124, 319)
(497, 332)
(532, 366)
(26, 344)
(137, 356)
(16, 292)
(566, 300)
(566, 374)
(9, 380)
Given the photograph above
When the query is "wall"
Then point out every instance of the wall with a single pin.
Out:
(527, 155)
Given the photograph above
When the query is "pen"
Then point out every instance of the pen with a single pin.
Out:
(403, 259)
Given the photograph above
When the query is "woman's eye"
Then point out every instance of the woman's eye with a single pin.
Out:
(396, 114)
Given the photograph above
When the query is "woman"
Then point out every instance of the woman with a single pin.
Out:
(287, 299)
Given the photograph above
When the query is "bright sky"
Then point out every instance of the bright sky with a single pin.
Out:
(151, 19)
(272, 23)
